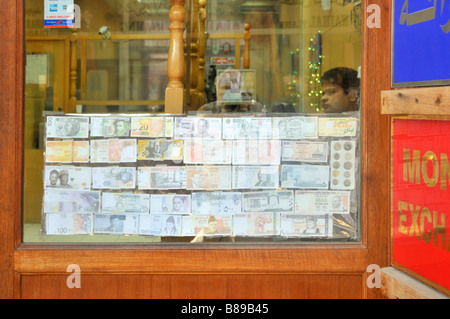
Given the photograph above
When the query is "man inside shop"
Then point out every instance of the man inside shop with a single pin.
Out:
(340, 87)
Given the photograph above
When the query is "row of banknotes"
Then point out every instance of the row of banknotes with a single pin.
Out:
(196, 151)
(286, 201)
(239, 224)
(293, 127)
(204, 177)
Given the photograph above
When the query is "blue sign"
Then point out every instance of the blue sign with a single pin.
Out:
(421, 43)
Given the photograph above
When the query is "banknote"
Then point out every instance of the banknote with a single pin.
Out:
(125, 203)
(207, 225)
(119, 224)
(154, 126)
(200, 151)
(69, 224)
(305, 176)
(295, 225)
(113, 151)
(338, 126)
(160, 150)
(162, 177)
(198, 127)
(253, 177)
(216, 202)
(294, 127)
(67, 151)
(268, 201)
(343, 164)
(80, 151)
(256, 152)
(160, 225)
(71, 201)
(208, 177)
(113, 177)
(67, 127)
(70, 177)
(256, 224)
(170, 204)
(110, 126)
(247, 128)
(300, 151)
(322, 202)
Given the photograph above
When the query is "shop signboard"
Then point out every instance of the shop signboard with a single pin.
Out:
(420, 43)
(421, 199)
(58, 14)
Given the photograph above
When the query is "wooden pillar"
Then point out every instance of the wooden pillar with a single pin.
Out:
(247, 37)
(175, 63)
(201, 53)
(193, 91)
(73, 73)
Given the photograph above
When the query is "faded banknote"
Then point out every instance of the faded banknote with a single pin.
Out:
(254, 177)
(71, 201)
(120, 203)
(113, 177)
(322, 202)
(247, 128)
(294, 128)
(70, 177)
(69, 224)
(208, 177)
(300, 151)
(110, 126)
(67, 127)
(268, 201)
(305, 176)
(162, 177)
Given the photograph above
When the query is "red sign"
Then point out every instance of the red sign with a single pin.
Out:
(421, 198)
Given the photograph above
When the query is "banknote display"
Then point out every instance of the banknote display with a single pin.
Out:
(343, 164)
(70, 177)
(268, 201)
(170, 204)
(162, 177)
(198, 127)
(113, 177)
(71, 201)
(160, 225)
(67, 127)
(254, 177)
(152, 126)
(338, 126)
(247, 128)
(119, 224)
(294, 128)
(125, 203)
(208, 177)
(160, 150)
(216, 202)
(299, 151)
(110, 126)
(207, 225)
(256, 152)
(256, 224)
(322, 202)
(200, 151)
(305, 176)
(69, 224)
(294, 225)
(113, 151)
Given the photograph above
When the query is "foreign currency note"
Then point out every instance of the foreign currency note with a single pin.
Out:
(294, 128)
(113, 151)
(119, 224)
(67, 127)
(207, 225)
(69, 224)
(162, 177)
(336, 126)
(216, 202)
(160, 225)
(295, 225)
(70, 177)
(80, 151)
(152, 126)
(268, 201)
(247, 128)
(170, 204)
(256, 152)
(110, 126)
(113, 177)
(198, 127)
(200, 151)
(322, 202)
(208, 177)
(305, 176)
(160, 150)
(71, 201)
(256, 224)
(299, 151)
(125, 203)
(59, 151)
(254, 177)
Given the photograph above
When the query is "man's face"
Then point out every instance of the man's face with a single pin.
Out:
(64, 179)
(53, 178)
(120, 125)
(334, 99)
(177, 204)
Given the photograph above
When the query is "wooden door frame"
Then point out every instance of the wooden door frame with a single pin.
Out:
(17, 259)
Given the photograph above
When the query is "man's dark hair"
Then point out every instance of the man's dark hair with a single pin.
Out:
(344, 77)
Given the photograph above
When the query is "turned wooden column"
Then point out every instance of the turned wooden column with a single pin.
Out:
(193, 80)
(175, 62)
(247, 37)
(73, 72)
(201, 53)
